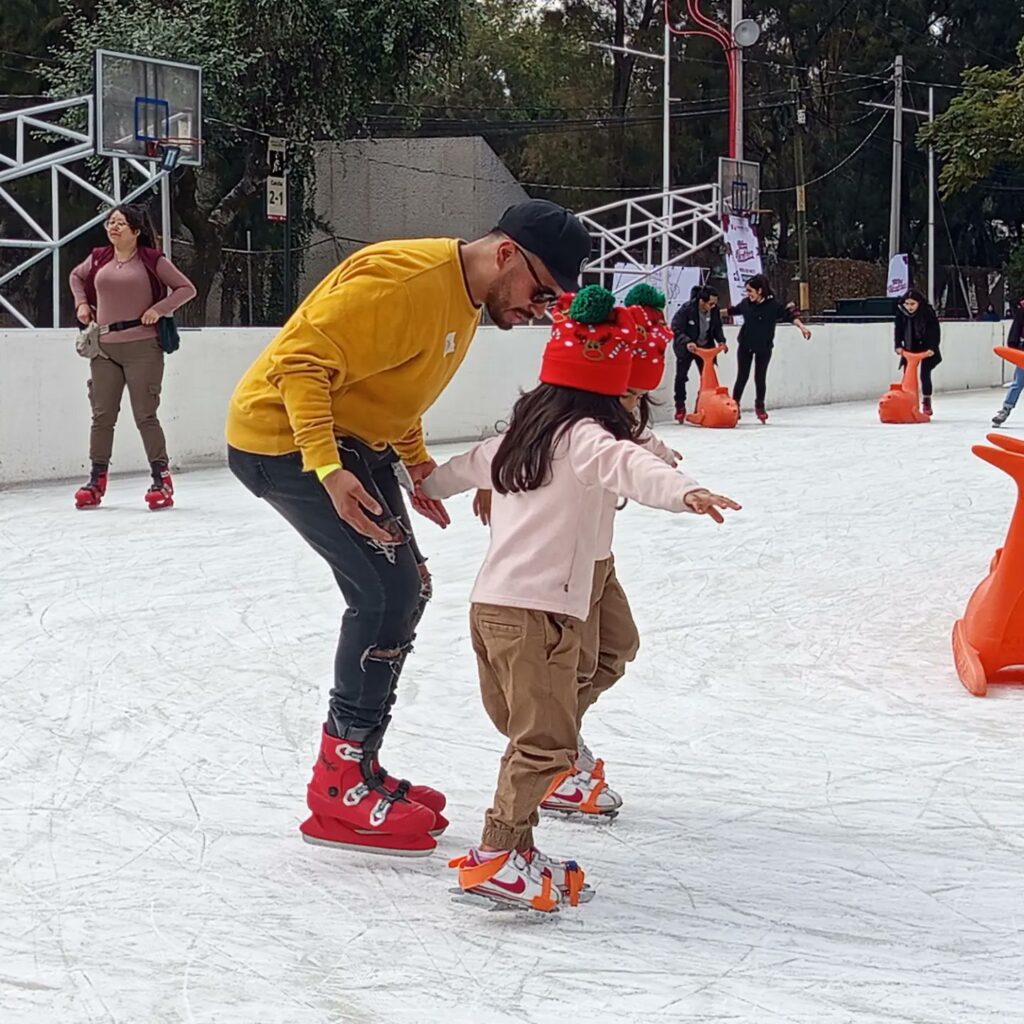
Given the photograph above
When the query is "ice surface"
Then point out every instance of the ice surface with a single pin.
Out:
(820, 826)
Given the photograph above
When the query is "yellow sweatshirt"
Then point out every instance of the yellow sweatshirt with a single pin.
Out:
(364, 355)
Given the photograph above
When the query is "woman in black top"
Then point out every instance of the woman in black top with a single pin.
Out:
(761, 312)
(917, 330)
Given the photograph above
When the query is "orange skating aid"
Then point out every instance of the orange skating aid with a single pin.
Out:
(902, 402)
(715, 406)
(988, 642)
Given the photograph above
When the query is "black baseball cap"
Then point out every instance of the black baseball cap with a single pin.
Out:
(553, 234)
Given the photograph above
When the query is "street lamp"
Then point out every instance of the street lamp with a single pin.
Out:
(744, 32)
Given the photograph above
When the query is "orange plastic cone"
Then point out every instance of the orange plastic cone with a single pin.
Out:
(715, 406)
(988, 642)
(902, 402)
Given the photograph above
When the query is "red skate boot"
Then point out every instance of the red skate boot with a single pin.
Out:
(761, 413)
(432, 799)
(92, 493)
(353, 808)
(161, 490)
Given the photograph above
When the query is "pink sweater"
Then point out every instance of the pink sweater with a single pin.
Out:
(610, 502)
(125, 293)
(544, 543)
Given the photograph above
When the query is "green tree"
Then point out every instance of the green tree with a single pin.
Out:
(982, 130)
(302, 69)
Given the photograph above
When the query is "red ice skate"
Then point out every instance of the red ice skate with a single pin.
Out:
(353, 807)
(161, 490)
(91, 494)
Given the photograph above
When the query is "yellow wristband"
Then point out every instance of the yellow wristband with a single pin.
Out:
(323, 471)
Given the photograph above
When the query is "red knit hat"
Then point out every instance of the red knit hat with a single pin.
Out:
(647, 306)
(591, 348)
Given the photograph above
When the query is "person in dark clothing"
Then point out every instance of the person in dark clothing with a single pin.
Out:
(991, 316)
(697, 324)
(1015, 339)
(917, 330)
(761, 313)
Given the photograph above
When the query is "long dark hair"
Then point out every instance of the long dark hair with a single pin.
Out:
(644, 414)
(539, 420)
(138, 219)
(760, 283)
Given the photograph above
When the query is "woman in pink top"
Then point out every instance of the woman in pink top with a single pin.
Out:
(126, 287)
(569, 450)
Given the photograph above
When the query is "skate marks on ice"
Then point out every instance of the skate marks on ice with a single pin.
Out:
(819, 826)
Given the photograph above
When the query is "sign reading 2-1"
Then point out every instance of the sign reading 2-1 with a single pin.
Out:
(277, 189)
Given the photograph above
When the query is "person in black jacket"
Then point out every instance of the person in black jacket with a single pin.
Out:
(697, 324)
(761, 313)
(917, 330)
(1015, 339)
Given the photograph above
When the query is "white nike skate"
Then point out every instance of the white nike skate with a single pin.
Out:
(567, 875)
(582, 793)
(508, 881)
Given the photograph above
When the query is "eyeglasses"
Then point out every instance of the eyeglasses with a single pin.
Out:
(543, 296)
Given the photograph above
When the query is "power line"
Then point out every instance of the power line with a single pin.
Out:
(831, 170)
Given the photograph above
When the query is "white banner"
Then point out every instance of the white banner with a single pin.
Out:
(899, 276)
(742, 256)
(681, 281)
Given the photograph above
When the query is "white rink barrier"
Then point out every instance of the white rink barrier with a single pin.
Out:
(44, 409)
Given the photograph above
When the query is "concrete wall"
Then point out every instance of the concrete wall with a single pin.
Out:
(44, 410)
(368, 190)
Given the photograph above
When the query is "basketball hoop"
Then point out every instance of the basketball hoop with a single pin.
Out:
(167, 150)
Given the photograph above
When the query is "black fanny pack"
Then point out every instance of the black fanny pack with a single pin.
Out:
(166, 331)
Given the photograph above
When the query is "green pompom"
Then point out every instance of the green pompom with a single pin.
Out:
(645, 295)
(592, 305)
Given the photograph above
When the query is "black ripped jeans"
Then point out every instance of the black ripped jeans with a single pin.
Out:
(386, 587)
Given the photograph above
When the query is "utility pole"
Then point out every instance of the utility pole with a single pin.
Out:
(898, 110)
(801, 197)
(897, 158)
(737, 51)
(931, 204)
(666, 154)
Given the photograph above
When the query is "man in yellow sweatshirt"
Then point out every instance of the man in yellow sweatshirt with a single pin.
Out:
(326, 426)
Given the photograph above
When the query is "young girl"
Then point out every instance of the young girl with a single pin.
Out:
(917, 330)
(610, 639)
(761, 313)
(569, 449)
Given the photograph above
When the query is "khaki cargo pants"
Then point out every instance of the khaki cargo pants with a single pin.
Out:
(528, 662)
(539, 672)
(610, 639)
(139, 365)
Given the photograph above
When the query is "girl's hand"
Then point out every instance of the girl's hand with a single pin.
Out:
(482, 506)
(433, 509)
(806, 333)
(899, 352)
(150, 317)
(83, 313)
(704, 503)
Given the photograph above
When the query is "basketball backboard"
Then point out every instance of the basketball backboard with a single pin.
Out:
(739, 183)
(146, 106)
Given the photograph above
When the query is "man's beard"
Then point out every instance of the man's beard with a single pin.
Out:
(499, 308)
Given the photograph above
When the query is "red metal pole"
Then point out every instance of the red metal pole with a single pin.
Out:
(712, 30)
